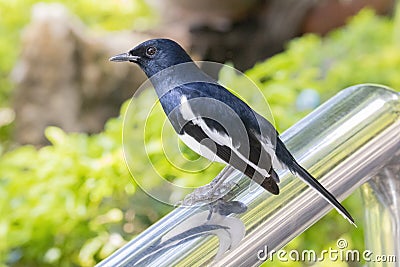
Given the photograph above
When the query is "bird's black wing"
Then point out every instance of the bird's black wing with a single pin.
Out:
(227, 155)
(214, 116)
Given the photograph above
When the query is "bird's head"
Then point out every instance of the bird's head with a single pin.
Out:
(155, 55)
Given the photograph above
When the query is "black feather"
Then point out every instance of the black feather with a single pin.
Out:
(286, 157)
(226, 154)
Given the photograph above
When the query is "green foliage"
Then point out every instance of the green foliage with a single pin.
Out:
(71, 203)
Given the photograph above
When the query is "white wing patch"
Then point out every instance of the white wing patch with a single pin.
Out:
(199, 148)
(187, 113)
(218, 137)
(267, 145)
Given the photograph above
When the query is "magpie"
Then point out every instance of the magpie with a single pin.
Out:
(214, 122)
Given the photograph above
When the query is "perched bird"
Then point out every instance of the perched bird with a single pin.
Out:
(214, 122)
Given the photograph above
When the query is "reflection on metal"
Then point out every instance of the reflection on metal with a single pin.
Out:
(229, 230)
(345, 143)
(381, 196)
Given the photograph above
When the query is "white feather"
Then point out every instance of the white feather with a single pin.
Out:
(199, 148)
(267, 145)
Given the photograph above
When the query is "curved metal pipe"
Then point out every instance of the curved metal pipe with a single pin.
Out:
(344, 143)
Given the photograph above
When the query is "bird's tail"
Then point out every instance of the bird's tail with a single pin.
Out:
(286, 158)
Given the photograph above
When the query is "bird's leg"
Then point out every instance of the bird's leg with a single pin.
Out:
(211, 208)
(218, 183)
(214, 207)
(212, 191)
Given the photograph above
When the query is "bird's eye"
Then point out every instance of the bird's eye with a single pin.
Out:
(150, 51)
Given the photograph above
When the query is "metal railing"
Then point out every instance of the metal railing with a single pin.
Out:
(352, 140)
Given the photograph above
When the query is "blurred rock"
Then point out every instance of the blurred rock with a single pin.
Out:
(63, 76)
(214, 14)
(330, 14)
(245, 32)
(255, 36)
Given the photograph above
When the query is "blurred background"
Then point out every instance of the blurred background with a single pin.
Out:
(66, 195)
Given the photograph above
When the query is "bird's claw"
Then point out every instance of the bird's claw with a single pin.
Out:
(207, 194)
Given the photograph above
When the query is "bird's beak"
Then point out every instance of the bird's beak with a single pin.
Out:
(124, 57)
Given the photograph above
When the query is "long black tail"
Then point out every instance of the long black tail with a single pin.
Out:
(286, 157)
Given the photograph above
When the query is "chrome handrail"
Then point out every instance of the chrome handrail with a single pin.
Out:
(349, 140)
